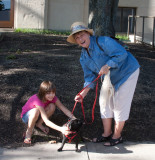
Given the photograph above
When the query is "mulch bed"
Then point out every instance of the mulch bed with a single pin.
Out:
(27, 59)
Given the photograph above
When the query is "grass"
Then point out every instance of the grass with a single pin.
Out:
(122, 37)
(42, 31)
(18, 51)
(45, 31)
(54, 32)
(12, 56)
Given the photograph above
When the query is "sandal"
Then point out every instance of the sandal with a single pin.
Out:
(27, 140)
(114, 142)
(102, 139)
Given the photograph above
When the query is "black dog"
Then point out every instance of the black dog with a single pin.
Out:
(74, 126)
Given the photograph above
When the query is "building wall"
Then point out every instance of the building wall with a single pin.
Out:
(49, 14)
(29, 14)
(144, 8)
(61, 14)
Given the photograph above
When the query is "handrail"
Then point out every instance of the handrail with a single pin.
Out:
(135, 19)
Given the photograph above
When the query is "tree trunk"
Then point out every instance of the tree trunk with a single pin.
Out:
(1, 5)
(102, 16)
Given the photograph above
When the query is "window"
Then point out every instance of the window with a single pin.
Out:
(6, 13)
(121, 24)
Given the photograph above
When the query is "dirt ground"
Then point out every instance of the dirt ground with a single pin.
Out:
(27, 59)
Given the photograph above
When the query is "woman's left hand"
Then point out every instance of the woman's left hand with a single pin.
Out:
(78, 98)
(104, 70)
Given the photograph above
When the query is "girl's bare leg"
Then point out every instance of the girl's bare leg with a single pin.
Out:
(49, 110)
(31, 122)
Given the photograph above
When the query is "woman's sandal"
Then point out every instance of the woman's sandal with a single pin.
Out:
(114, 142)
(102, 139)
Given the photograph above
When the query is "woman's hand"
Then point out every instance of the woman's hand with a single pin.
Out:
(104, 70)
(65, 131)
(78, 98)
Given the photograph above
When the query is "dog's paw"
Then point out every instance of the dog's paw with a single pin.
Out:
(77, 150)
(59, 150)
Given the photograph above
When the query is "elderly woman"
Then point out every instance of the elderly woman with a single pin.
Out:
(99, 56)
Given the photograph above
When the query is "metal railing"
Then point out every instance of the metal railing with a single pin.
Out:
(143, 20)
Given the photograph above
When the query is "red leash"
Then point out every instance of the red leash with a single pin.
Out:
(70, 138)
(75, 134)
(82, 100)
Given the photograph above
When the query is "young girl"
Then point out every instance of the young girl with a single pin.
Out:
(44, 102)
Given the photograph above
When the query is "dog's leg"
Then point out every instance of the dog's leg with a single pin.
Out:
(63, 142)
(81, 137)
(77, 143)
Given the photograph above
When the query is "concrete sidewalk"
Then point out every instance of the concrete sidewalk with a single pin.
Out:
(89, 151)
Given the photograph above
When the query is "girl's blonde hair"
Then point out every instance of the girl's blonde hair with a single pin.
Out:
(45, 87)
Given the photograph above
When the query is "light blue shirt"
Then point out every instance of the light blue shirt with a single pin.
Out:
(122, 63)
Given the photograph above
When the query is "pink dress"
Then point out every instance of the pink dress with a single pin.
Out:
(34, 101)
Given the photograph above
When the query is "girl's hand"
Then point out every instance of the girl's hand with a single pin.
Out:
(65, 131)
(104, 70)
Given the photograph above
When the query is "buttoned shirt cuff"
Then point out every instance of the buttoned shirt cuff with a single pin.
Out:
(112, 64)
(90, 86)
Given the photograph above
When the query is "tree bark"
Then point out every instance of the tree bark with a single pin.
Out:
(102, 16)
(1, 5)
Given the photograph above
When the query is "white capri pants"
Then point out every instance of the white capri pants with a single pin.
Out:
(118, 107)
